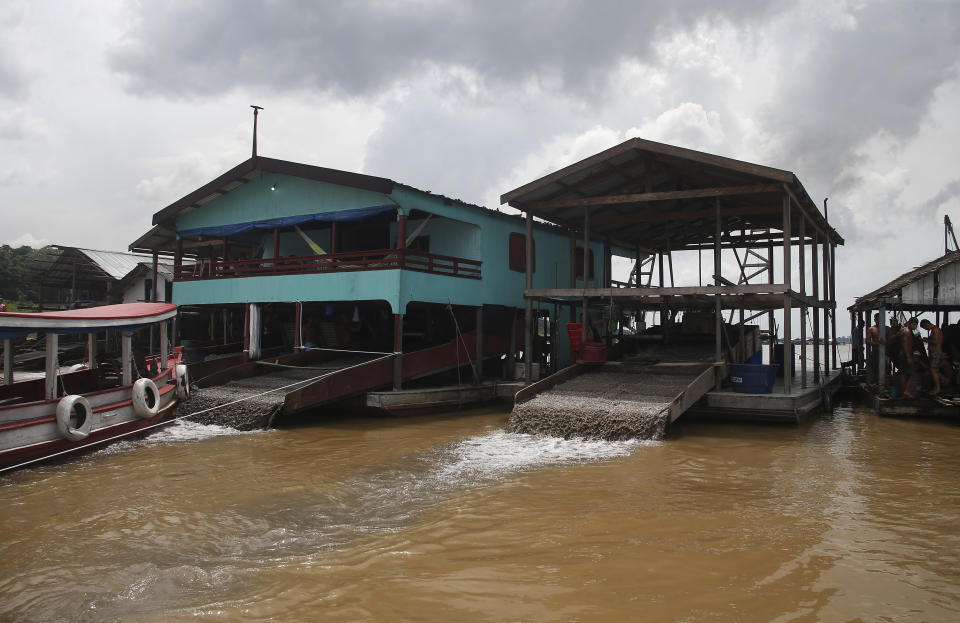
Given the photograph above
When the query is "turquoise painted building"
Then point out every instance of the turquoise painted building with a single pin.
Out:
(348, 259)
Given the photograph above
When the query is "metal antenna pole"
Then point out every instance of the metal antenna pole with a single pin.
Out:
(948, 229)
(256, 109)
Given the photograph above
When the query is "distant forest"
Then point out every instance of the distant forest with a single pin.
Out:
(19, 271)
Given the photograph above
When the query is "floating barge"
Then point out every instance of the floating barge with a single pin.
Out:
(663, 200)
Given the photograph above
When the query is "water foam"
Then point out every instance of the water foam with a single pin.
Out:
(186, 430)
(500, 453)
(180, 431)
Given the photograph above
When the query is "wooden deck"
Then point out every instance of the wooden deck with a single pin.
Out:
(920, 407)
(776, 406)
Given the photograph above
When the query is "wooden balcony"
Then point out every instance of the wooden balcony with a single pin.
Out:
(354, 261)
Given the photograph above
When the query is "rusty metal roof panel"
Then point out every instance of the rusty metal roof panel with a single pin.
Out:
(117, 264)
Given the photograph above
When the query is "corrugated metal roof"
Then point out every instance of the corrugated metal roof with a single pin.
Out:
(115, 263)
(893, 288)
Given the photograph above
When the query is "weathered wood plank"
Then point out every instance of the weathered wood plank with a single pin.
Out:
(696, 193)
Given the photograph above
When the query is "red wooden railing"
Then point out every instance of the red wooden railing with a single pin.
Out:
(381, 259)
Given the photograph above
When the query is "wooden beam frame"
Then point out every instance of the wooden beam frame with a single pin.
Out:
(697, 193)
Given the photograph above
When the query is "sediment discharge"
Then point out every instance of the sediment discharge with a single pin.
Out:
(256, 410)
(601, 405)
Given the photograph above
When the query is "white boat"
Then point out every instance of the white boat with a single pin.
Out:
(100, 401)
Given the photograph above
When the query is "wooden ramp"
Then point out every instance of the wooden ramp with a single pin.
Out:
(251, 394)
(615, 400)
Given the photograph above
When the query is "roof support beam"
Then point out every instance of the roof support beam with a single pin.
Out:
(697, 193)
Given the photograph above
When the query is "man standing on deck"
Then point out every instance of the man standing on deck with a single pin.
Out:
(909, 357)
(934, 341)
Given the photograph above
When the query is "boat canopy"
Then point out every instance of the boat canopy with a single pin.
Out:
(354, 214)
(126, 317)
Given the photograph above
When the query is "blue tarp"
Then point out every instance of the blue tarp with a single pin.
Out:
(220, 231)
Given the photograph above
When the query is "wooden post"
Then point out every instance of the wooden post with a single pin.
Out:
(512, 347)
(8, 361)
(787, 310)
(528, 305)
(717, 312)
(91, 351)
(164, 347)
(854, 354)
(51, 355)
(397, 352)
(573, 260)
(276, 242)
(126, 358)
(607, 263)
(256, 331)
(814, 273)
(178, 259)
(401, 231)
(803, 306)
(833, 304)
(826, 307)
(478, 372)
(246, 332)
(882, 354)
(771, 320)
(297, 326)
(586, 266)
(154, 293)
(333, 237)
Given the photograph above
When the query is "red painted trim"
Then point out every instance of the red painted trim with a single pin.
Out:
(25, 423)
(14, 456)
(122, 311)
(172, 360)
(382, 259)
(343, 384)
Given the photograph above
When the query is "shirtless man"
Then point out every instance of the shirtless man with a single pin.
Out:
(909, 356)
(934, 342)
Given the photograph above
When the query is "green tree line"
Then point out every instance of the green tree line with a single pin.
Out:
(20, 270)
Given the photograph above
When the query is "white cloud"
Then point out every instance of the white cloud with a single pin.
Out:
(29, 240)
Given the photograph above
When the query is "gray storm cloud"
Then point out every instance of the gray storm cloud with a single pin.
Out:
(360, 48)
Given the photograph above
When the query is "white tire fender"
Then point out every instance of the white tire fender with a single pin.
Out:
(183, 381)
(84, 417)
(146, 398)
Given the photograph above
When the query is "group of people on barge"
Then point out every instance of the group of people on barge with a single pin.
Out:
(915, 365)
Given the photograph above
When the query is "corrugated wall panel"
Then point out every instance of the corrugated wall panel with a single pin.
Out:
(913, 292)
(949, 286)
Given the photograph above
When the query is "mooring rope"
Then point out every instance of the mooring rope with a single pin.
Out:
(177, 419)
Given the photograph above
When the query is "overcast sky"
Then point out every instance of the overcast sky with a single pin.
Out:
(111, 110)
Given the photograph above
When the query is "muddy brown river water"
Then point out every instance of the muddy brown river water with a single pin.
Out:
(449, 518)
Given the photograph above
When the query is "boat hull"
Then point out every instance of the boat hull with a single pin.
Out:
(28, 432)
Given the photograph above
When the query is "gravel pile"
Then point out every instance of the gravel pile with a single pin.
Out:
(257, 409)
(602, 405)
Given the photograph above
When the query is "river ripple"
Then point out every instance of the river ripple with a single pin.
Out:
(450, 518)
